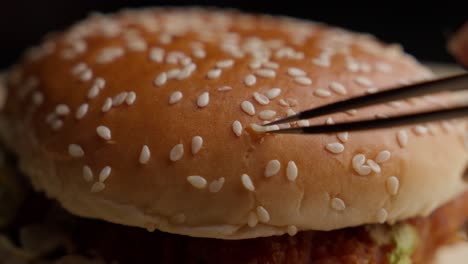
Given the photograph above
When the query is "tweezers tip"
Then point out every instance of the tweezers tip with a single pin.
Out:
(283, 120)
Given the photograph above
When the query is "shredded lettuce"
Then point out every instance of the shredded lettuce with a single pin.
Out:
(402, 236)
(405, 238)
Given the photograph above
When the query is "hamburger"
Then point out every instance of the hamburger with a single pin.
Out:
(141, 134)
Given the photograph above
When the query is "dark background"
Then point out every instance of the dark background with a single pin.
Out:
(421, 27)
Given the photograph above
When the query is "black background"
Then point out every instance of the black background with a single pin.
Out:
(422, 27)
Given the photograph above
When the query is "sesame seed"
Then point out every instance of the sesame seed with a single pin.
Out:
(351, 112)
(165, 38)
(173, 73)
(303, 80)
(395, 104)
(62, 110)
(197, 143)
(247, 182)
(197, 181)
(81, 111)
(107, 55)
(270, 65)
(381, 116)
(420, 130)
(303, 123)
(252, 219)
(265, 73)
(352, 66)
(38, 98)
(291, 101)
(50, 117)
(358, 165)
(107, 105)
(131, 98)
(173, 57)
(255, 65)
(78, 45)
(105, 173)
(250, 80)
(261, 99)
(329, 121)
(161, 79)
(248, 108)
(372, 90)
(75, 150)
(272, 168)
(119, 99)
(199, 53)
(271, 128)
(337, 204)
(290, 112)
(258, 128)
(262, 214)
(296, 72)
(273, 93)
(283, 102)
(86, 75)
(393, 185)
(224, 88)
(156, 55)
(104, 132)
(291, 171)
(214, 74)
(176, 152)
(237, 128)
(186, 61)
(343, 136)
(98, 187)
(99, 83)
(93, 92)
(79, 68)
(337, 88)
(364, 170)
(292, 230)
(203, 99)
(322, 62)
(382, 215)
(145, 155)
(383, 156)
(322, 93)
(175, 97)
(383, 67)
(216, 185)
(136, 45)
(373, 166)
(225, 64)
(87, 174)
(57, 124)
(363, 81)
(402, 137)
(335, 147)
(178, 218)
(267, 114)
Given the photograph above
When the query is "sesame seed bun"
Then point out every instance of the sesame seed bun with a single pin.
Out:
(150, 118)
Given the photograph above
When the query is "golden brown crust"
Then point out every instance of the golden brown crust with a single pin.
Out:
(124, 50)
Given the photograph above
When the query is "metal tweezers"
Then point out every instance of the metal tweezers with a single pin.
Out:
(453, 83)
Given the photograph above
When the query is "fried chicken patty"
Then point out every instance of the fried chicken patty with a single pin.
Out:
(99, 240)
